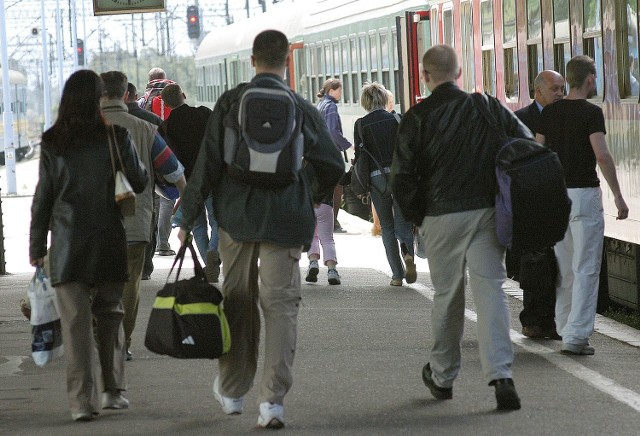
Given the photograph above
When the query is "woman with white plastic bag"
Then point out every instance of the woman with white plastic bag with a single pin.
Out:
(75, 201)
(46, 331)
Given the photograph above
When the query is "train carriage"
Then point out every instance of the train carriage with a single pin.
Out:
(18, 91)
(502, 44)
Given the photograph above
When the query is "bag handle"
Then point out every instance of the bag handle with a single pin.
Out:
(197, 268)
(113, 143)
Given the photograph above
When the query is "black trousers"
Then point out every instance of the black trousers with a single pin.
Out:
(538, 276)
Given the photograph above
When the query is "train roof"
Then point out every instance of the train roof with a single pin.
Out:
(239, 36)
(297, 19)
(15, 77)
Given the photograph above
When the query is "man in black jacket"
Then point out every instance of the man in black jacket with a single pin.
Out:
(539, 269)
(443, 177)
(183, 131)
(262, 232)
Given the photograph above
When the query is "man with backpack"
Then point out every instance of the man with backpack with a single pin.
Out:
(443, 177)
(267, 158)
(538, 268)
(574, 128)
(152, 98)
(152, 102)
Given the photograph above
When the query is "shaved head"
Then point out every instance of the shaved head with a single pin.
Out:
(441, 62)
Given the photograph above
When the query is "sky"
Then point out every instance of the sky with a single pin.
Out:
(109, 32)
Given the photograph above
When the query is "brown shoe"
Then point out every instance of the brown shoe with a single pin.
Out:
(533, 332)
(212, 267)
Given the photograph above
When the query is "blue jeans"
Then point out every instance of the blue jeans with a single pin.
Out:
(393, 225)
(204, 242)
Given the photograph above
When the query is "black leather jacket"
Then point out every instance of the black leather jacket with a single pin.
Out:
(444, 160)
(74, 199)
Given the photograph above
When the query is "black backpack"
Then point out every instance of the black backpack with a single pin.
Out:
(532, 204)
(263, 141)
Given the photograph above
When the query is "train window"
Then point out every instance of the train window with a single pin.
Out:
(346, 77)
(364, 77)
(335, 47)
(354, 70)
(468, 62)
(534, 43)
(373, 45)
(434, 29)
(447, 24)
(510, 50)
(592, 40)
(627, 53)
(488, 52)
(384, 59)
(396, 65)
(561, 41)
(328, 56)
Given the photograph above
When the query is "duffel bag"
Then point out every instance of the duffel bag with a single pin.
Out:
(187, 320)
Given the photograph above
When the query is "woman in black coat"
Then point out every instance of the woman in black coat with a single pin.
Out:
(74, 199)
(376, 132)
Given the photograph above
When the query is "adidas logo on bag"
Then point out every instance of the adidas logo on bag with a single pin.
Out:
(188, 340)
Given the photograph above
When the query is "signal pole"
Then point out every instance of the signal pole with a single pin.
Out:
(7, 114)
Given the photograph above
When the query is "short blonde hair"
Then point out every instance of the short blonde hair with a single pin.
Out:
(374, 96)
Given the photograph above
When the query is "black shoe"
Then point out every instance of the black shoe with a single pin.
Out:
(551, 333)
(506, 394)
(129, 356)
(436, 391)
(146, 276)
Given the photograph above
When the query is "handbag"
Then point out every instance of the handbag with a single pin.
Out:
(187, 320)
(46, 330)
(124, 195)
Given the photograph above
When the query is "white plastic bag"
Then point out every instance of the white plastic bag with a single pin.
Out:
(46, 331)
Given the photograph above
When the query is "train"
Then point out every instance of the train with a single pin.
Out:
(502, 46)
(23, 146)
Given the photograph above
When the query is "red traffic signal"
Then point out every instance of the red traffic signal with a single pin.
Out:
(193, 22)
(80, 48)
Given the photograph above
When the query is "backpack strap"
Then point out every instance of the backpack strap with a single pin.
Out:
(481, 101)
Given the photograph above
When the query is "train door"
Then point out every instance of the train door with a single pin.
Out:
(414, 38)
(295, 68)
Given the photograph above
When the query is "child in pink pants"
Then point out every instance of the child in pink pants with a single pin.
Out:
(323, 236)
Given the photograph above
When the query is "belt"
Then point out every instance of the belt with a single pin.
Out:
(387, 170)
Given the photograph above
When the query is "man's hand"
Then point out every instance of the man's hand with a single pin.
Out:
(623, 209)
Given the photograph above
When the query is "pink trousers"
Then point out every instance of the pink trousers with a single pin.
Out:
(324, 234)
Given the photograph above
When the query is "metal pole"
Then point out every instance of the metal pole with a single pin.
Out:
(73, 17)
(45, 69)
(59, 47)
(7, 114)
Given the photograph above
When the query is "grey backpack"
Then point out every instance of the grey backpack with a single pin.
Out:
(263, 141)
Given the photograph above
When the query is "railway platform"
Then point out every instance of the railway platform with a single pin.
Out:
(361, 348)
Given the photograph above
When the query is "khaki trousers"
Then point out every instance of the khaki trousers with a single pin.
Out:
(131, 293)
(279, 299)
(77, 311)
(455, 243)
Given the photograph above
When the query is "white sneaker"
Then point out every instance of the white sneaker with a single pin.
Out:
(112, 400)
(271, 415)
(230, 406)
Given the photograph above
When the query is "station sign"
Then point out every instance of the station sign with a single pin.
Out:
(111, 7)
